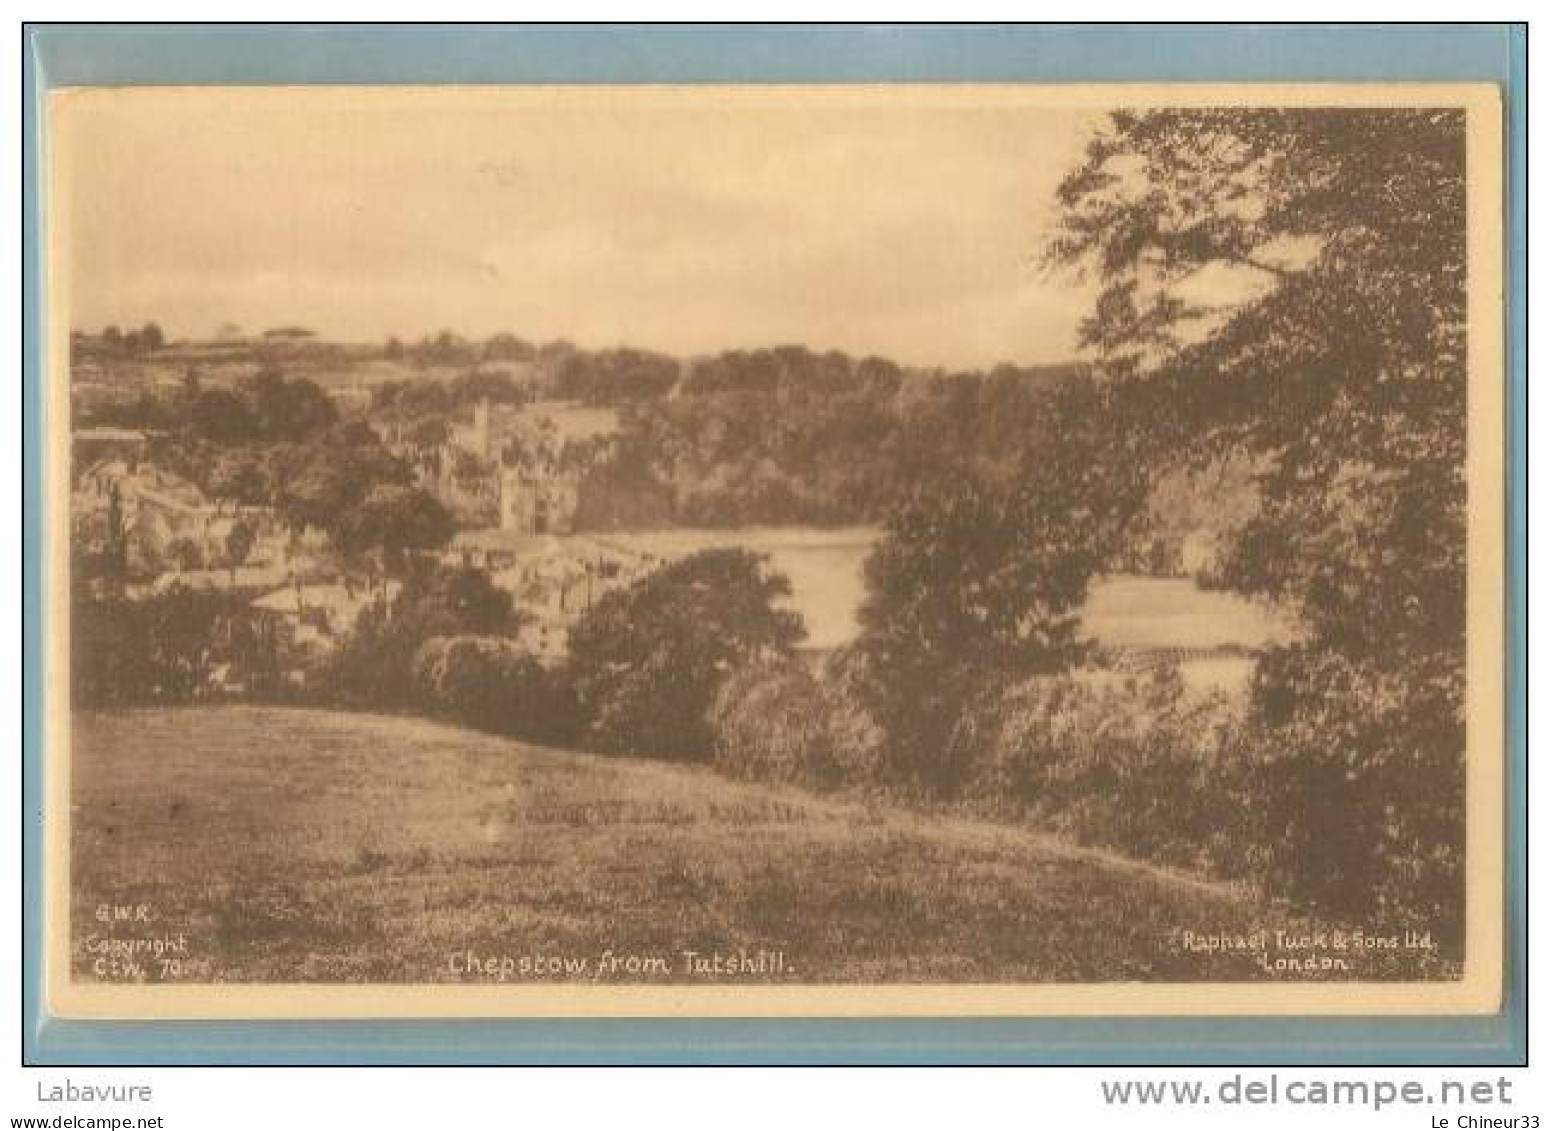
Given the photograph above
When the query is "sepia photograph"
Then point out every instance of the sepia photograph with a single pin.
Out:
(878, 550)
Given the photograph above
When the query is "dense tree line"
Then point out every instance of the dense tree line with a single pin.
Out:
(167, 648)
(645, 664)
(786, 435)
(1339, 371)
(792, 436)
(263, 408)
(437, 400)
(114, 344)
(647, 661)
(376, 665)
(614, 376)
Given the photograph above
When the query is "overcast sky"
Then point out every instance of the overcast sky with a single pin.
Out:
(679, 221)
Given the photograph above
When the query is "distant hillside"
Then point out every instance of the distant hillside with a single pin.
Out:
(780, 435)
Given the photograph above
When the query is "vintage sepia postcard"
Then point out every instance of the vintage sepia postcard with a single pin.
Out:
(674, 551)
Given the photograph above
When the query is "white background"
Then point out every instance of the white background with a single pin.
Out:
(648, 1098)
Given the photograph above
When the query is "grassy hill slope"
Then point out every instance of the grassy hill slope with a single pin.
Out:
(298, 845)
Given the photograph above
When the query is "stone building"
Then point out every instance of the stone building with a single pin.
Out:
(541, 500)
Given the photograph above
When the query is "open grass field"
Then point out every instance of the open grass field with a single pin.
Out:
(298, 845)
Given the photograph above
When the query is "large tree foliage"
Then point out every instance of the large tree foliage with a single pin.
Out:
(322, 483)
(647, 661)
(287, 410)
(376, 663)
(264, 407)
(981, 575)
(492, 683)
(391, 522)
(166, 647)
(1290, 284)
